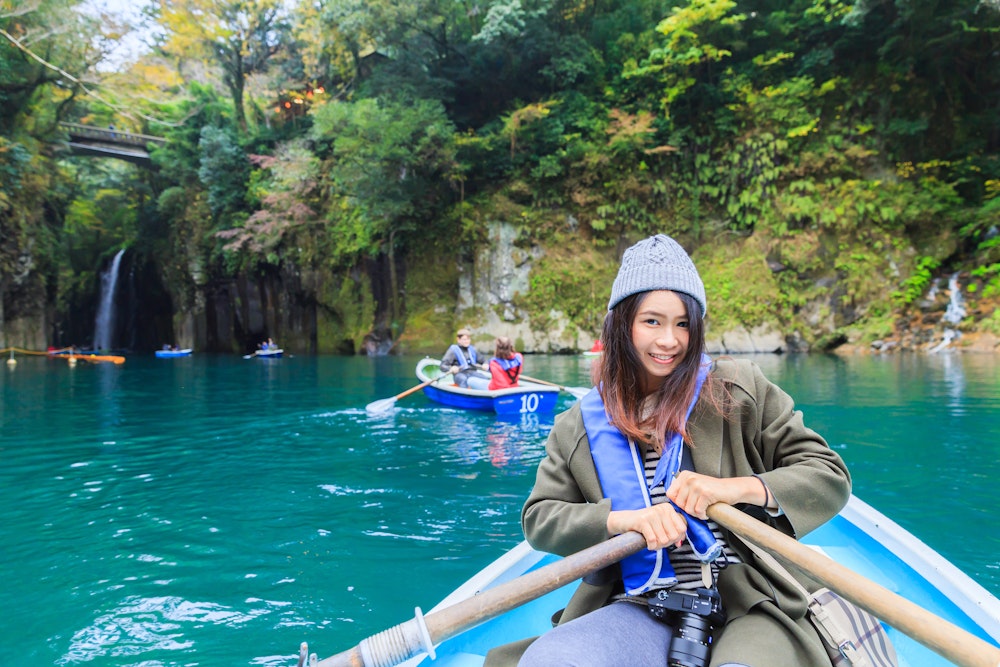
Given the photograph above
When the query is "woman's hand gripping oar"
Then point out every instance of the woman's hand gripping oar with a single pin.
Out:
(937, 634)
(385, 404)
(421, 634)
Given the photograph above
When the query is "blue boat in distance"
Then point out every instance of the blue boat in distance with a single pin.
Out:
(526, 397)
(167, 354)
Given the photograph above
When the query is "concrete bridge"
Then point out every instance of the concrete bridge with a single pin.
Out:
(101, 142)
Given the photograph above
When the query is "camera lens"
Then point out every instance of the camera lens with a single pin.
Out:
(689, 646)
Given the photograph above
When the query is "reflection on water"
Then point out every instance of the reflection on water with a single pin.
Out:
(505, 441)
(512, 435)
(953, 378)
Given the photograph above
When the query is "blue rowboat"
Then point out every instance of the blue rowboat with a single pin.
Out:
(527, 397)
(167, 354)
(482, 612)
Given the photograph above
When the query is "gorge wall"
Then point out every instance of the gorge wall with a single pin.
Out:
(547, 298)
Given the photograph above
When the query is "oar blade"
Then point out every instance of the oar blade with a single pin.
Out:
(578, 392)
(380, 406)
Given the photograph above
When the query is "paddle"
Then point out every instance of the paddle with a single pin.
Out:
(578, 392)
(400, 642)
(385, 404)
(937, 634)
(423, 632)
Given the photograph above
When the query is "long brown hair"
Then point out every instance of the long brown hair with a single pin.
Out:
(504, 348)
(619, 375)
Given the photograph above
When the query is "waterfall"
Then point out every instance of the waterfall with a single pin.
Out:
(953, 314)
(104, 325)
(956, 304)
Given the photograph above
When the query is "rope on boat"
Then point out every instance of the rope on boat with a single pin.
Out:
(406, 640)
(394, 645)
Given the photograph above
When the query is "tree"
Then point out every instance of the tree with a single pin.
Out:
(239, 36)
(224, 168)
(388, 165)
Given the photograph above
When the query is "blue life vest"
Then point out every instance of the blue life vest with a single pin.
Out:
(464, 362)
(621, 471)
(507, 365)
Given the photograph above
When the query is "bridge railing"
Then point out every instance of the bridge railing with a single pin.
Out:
(111, 135)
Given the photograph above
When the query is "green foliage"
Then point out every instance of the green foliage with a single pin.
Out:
(387, 167)
(741, 289)
(992, 323)
(572, 279)
(917, 283)
(239, 36)
(14, 161)
(693, 34)
(223, 170)
(287, 223)
(991, 278)
(852, 137)
(507, 19)
(178, 161)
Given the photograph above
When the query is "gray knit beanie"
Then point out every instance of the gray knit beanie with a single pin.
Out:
(657, 263)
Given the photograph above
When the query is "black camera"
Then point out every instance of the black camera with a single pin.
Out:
(693, 615)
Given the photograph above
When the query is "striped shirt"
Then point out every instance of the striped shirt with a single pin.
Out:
(686, 565)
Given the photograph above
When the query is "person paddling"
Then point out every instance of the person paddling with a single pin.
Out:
(462, 359)
(667, 432)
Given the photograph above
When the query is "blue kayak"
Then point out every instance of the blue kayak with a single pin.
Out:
(526, 397)
(167, 354)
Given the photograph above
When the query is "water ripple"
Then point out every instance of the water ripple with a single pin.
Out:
(222, 511)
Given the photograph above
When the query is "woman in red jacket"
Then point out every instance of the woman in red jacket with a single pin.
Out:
(505, 366)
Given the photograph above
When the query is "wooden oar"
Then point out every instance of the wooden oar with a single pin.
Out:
(579, 392)
(421, 634)
(403, 641)
(937, 634)
(385, 404)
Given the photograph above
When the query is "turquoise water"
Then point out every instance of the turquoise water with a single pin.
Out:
(218, 511)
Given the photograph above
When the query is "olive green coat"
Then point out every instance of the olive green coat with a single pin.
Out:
(764, 436)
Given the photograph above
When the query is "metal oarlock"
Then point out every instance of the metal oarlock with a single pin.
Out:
(304, 654)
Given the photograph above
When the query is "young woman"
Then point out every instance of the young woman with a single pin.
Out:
(666, 433)
(506, 365)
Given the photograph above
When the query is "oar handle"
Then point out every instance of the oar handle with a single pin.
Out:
(406, 640)
(537, 381)
(578, 392)
(422, 385)
(937, 634)
(491, 603)
(413, 389)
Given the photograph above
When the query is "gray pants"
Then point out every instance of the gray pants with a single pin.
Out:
(462, 377)
(622, 634)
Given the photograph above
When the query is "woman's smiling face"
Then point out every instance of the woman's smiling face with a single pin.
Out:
(660, 335)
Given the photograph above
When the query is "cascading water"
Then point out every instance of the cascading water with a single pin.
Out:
(104, 325)
(953, 314)
(956, 304)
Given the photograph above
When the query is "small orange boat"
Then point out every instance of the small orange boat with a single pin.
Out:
(73, 355)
